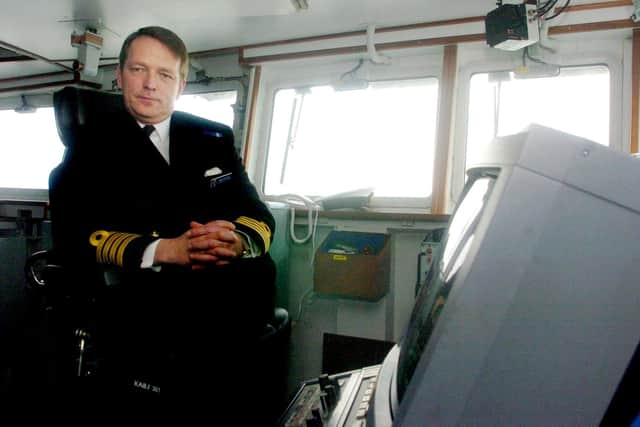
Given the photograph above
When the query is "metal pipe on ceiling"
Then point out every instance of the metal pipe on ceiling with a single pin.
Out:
(76, 81)
(21, 51)
(33, 77)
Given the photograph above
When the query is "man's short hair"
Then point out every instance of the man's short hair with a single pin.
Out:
(164, 36)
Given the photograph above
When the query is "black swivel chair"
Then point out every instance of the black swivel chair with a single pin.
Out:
(75, 112)
(66, 319)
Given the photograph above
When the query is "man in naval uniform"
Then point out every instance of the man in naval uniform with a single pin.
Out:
(161, 201)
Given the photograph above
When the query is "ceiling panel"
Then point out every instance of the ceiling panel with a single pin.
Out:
(45, 26)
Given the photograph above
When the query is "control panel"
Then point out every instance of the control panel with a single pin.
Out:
(332, 400)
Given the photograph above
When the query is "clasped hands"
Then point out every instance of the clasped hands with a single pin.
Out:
(215, 242)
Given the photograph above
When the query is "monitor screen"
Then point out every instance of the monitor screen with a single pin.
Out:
(524, 319)
(433, 294)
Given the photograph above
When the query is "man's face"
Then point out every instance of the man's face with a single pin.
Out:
(150, 80)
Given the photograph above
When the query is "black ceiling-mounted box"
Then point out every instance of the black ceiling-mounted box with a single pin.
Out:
(512, 26)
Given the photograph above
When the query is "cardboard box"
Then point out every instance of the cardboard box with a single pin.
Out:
(353, 265)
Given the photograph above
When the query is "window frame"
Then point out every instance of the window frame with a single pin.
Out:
(222, 90)
(609, 53)
(26, 193)
(318, 72)
(42, 194)
(381, 202)
(567, 68)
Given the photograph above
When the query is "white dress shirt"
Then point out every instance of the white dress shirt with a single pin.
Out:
(160, 137)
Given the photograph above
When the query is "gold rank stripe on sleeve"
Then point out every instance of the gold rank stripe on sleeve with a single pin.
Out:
(259, 227)
(110, 246)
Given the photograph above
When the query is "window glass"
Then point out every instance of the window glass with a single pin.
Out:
(216, 106)
(576, 101)
(29, 148)
(324, 141)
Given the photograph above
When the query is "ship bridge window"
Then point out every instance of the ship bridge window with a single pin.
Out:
(575, 100)
(216, 106)
(325, 141)
(29, 148)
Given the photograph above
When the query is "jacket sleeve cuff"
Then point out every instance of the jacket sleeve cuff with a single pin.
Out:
(119, 249)
(149, 255)
(258, 232)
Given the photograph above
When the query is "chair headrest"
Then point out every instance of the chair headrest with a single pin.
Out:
(77, 109)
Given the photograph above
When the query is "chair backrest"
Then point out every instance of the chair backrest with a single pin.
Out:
(77, 109)
(78, 113)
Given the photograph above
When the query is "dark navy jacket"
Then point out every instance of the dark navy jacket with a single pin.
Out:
(114, 193)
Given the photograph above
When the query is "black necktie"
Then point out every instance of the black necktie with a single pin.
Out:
(148, 130)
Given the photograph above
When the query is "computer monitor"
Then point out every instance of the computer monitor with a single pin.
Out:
(531, 316)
